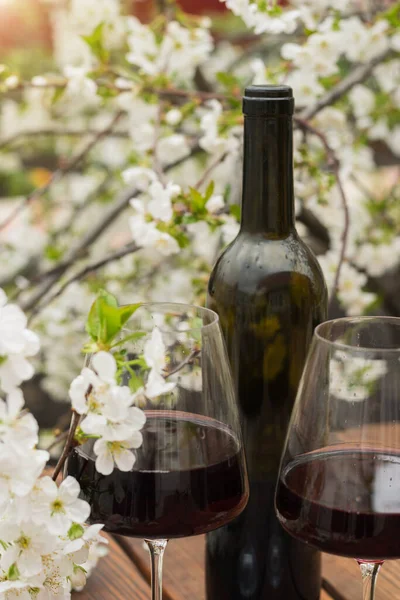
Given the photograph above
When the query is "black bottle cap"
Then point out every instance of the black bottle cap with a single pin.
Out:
(268, 100)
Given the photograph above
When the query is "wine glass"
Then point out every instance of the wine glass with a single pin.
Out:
(339, 482)
(190, 475)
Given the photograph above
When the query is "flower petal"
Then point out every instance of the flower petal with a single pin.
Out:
(58, 523)
(135, 441)
(79, 511)
(29, 563)
(69, 490)
(136, 417)
(157, 386)
(125, 460)
(105, 463)
(15, 401)
(105, 366)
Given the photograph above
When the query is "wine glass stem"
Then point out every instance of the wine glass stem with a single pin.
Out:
(156, 548)
(369, 573)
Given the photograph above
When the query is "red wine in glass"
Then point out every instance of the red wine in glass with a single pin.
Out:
(344, 502)
(188, 478)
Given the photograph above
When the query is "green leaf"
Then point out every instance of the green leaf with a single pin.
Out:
(197, 201)
(96, 43)
(209, 190)
(235, 211)
(228, 80)
(76, 531)
(129, 338)
(57, 95)
(106, 319)
(393, 15)
(127, 311)
(53, 252)
(79, 568)
(13, 573)
(95, 321)
(135, 382)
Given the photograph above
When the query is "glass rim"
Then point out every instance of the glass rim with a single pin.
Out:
(181, 307)
(348, 347)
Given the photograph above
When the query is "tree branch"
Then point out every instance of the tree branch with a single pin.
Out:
(90, 268)
(210, 169)
(68, 445)
(187, 361)
(336, 170)
(12, 139)
(358, 75)
(57, 175)
(57, 441)
(157, 127)
(170, 92)
(76, 252)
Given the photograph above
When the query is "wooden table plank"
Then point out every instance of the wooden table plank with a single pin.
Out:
(343, 574)
(183, 567)
(115, 578)
(125, 574)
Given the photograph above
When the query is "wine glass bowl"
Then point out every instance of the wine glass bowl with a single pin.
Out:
(189, 476)
(339, 484)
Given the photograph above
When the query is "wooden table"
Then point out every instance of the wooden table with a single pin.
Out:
(124, 574)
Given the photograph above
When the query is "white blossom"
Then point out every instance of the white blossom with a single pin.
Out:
(362, 43)
(211, 141)
(141, 177)
(362, 100)
(19, 468)
(173, 117)
(215, 203)
(155, 357)
(172, 148)
(306, 87)
(17, 343)
(28, 543)
(119, 453)
(159, 205)
(354, 378)
(179, 53)
(17, 428)
(146, 235)
(59, 507)
(80, 87)
(107, 406)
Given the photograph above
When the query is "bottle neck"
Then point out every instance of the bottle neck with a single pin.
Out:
(268, 196)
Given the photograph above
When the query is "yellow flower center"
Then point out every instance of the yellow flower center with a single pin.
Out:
(24, 542)
(57, 506)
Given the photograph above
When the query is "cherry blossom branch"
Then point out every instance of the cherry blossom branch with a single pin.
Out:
(60, 438)
(210, 169)
(168, 92)
(12, 139)
(358, 75)
(187, 361)
(157, 127)
(90, 268)
(59, 173)
(334, 163)
(79, 250)
(68, 445)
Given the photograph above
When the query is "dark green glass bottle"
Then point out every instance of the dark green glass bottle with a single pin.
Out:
(269, 292)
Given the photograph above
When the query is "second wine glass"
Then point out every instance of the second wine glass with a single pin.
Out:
(189, 476)
(339, 485)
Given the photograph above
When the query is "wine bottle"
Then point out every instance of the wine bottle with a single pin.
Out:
(269, 292)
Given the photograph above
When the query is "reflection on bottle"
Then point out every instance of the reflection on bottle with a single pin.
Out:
(248, 573)
(274, 560)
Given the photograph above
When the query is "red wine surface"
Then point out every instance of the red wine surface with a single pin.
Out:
(188, 479)
(344, 502)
